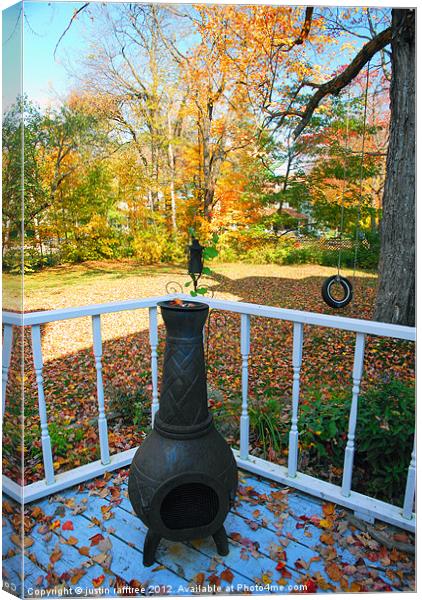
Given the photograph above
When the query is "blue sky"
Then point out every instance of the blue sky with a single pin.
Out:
(44, 24)
(46, 79)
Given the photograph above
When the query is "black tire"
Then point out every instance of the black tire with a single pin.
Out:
(347, 289)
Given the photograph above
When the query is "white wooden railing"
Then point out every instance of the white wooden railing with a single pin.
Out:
(366, 507)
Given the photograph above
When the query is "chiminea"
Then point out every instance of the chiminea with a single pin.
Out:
(183, 479)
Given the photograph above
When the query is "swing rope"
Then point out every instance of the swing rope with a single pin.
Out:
(346, 285)
(362, 159)
(344, 187)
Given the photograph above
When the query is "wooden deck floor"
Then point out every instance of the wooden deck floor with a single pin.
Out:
(87, 541)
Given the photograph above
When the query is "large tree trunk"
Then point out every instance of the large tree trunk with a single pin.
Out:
(396, 293)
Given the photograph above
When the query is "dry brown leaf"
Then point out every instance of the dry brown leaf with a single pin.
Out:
(56, 554)
(333, 571)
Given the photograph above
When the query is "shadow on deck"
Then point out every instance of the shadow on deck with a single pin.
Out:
(87, 541)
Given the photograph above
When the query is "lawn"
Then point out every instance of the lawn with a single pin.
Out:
(326, 374)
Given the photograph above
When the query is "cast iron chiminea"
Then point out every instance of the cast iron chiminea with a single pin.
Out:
(183, 479)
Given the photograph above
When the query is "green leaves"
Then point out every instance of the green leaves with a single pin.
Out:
(209, 252)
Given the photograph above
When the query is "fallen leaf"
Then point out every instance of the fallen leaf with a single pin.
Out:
(56, 554)
(71, 541)
(327, 538)
(96, 539)
(17, 540)
(227, 575)
(77, 575)
(97, 581)
(333, 571)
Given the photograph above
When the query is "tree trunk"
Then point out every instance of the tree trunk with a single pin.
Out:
(172, 168)
(396, 293)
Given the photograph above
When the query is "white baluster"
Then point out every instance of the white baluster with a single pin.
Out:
(350, 447)
(153, 340)
(245, 343)
(297, 363)
(45, 436)
(102, 421)
(409, 495)
(6, 354)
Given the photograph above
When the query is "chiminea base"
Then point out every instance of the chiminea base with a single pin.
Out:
(153, 539)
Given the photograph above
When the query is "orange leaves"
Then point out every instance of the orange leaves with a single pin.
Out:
(97, 581)
(67, 526)
(327, 538)
(56, 554)
(227, 575)
(334, 571)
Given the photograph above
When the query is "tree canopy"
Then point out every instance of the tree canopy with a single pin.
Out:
(220, 118)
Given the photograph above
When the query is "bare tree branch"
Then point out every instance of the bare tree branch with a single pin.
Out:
(335, 85)
(75, 14)
(306, 28)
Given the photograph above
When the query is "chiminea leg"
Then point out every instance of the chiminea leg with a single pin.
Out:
(150, 546)
(220, 539)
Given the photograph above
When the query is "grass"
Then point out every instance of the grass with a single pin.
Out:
(108, 281)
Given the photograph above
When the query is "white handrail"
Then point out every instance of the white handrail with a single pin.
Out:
(42, 410)
(6, 355)
(403, 517)
(102, 420)
(153, 340)
(409, 495)
(350, 447)
(245, 345)
(296, 316)
(296, 363)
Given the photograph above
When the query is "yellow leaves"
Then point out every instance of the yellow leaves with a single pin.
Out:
(347, 46)
(266, 578)
(325, 524)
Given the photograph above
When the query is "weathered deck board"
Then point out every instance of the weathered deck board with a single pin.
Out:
(278, 538)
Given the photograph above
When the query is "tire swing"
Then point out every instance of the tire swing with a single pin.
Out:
(335, 281)
(332, 299)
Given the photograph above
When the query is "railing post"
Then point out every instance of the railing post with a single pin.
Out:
(350, 447)
(297, 363)
(409, 495)
(45, 436)
(102, 421)
(153, 340)
(6, 354)
(245, 343)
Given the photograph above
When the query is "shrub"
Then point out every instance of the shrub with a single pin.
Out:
(131, 406)
(32, 260)
(148, 246)
(174, 249)
(264, 424)
(384, 436)
(259, 246)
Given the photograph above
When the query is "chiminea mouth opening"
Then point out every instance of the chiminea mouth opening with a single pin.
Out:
(189, 503)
